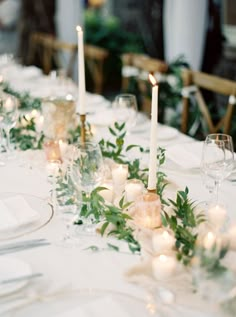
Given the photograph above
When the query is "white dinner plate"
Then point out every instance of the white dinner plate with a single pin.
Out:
(184, 157)
(11, 267)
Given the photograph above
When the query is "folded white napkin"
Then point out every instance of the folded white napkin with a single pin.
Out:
(15, 211)
(187, 155)
(105, 306)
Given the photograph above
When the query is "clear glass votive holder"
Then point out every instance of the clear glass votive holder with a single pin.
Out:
(52, 150)
(147, 210)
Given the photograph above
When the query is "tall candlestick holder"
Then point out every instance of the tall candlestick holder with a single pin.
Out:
(83, 129)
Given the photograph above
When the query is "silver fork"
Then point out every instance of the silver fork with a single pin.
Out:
(20, 278)
(22, 245)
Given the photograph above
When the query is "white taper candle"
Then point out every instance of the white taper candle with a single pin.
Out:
(152, 177)
(81, 71)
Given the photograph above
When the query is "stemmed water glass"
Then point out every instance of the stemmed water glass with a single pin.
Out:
(125, 110)
(8, 118)
(87, 173)
(217, 160)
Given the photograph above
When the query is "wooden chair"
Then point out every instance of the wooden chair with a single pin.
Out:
(198, 80)
(140, 66)
(94, 59)
(50, 51)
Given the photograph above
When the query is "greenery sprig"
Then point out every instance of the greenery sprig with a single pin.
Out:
(183, 223)
(25, 136)
(26, 101)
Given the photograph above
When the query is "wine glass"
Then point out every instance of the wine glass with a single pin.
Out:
(125, 110)
(8, 118)
(217, 159)
(87, 173)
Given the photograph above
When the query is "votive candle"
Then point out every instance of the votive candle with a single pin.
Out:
(163, 266)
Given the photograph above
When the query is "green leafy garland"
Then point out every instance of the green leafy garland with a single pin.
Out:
(181, 222)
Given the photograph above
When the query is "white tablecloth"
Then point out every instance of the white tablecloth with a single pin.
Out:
(72, 267)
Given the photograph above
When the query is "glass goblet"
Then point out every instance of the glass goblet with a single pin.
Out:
(8, 118)
(217, 159)
(87, 173)
(125, 110)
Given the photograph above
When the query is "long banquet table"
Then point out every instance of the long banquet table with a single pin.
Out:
(77, 281)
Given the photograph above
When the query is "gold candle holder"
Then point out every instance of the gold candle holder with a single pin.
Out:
(83, 129)
(153, 191)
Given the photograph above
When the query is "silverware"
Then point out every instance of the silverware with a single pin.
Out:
(22, 245)
(20, 278)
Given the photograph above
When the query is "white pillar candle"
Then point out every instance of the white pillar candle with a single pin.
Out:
(163, 267)
(9, 104)
(209, 240)
(152, 178)
(63, 147)
(119, 174)
(217, 215)
(232, 237)
(107, 193)
(81, 71)
(39, 123)
(133, 189)
(162, 241)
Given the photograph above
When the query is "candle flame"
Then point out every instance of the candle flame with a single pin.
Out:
(163, 258)
(152, 79)
(165, 235)
(79, 28)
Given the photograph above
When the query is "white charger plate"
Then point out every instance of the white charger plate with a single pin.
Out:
(40, 205)
(11, 267)
(66, 304)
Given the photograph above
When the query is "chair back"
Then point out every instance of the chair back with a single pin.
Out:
(138, 66)
(51, 52)
(94, 58)
(196, 81)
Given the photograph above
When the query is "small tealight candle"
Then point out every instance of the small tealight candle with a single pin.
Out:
(162, 241)
(217, 215)
(52, 151)
(163, 266)
(119, 174)
(209, 240)
(133, 189)
(107, 193)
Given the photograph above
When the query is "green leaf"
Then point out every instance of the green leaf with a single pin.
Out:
(104, 227)
(113, 247)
